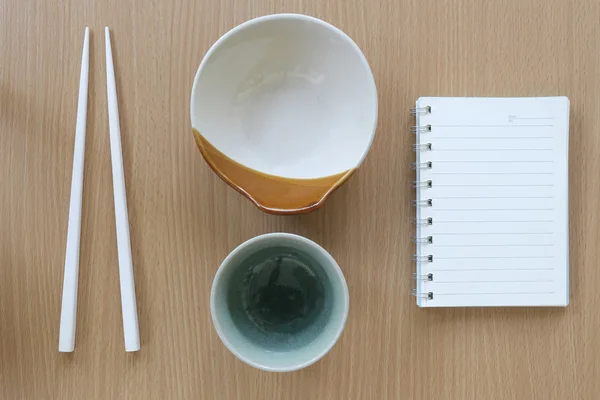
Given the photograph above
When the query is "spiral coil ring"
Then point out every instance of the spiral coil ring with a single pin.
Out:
(422, 184)
(423, 203)
(425, 295)
(423, 221)
(428, 258)
(421, 147)
(420, 110)
(422, 240)
(422, 165)
(420, 129)
(423, 277)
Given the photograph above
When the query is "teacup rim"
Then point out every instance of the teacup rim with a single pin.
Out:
(338, 272)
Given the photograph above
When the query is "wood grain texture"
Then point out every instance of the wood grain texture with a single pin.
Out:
(184, 220)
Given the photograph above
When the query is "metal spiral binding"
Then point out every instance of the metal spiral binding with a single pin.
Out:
(422, 184)
(422, 240)
(422, 256)
(423, 259)
(423, 277)
(423, 221)
(420, 129)
(421, 147)
(420, 110)
(425, 295)
(423, 203)
(422, 165)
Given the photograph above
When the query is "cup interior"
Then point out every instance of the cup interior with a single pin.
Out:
(263, 324)
(287, 95)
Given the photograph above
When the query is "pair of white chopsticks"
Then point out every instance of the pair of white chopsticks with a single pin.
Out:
(70, 283)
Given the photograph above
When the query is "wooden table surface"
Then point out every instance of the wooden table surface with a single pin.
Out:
(184, 220)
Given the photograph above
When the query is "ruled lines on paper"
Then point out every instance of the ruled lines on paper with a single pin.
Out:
(496, 201)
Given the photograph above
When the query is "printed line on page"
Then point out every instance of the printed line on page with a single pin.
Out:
(490, 269)
(492, 162)
(489, 137)
(492, 294)
(491, 233)
(495, 126)
(530, 281)
(494, 197)
(531, 118)
(495, 258)
(494, 209)
(498, 185)
(531, 221)
(492, 245)
(438, 149)
(492, 173)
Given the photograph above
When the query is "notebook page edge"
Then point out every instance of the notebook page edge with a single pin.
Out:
(567, 105)
(563, 301)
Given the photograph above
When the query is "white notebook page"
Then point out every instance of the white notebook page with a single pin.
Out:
(499, 202)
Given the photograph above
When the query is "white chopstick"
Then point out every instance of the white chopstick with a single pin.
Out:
(128, 302)
(68, 311)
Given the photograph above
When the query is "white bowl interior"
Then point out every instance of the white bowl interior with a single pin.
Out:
(287, 95)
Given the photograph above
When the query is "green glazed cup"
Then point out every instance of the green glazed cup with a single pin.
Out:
(279, 302)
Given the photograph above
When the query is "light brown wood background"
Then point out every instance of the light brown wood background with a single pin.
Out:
(184, 220)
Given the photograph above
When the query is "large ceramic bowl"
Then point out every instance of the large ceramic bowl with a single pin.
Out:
(284, 109)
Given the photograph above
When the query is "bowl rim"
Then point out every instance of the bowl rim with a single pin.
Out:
(369, 76)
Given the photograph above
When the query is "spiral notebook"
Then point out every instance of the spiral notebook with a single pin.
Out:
(492, 223)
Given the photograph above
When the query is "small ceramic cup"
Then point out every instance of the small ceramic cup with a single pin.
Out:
(279, 302)
(284, 109)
